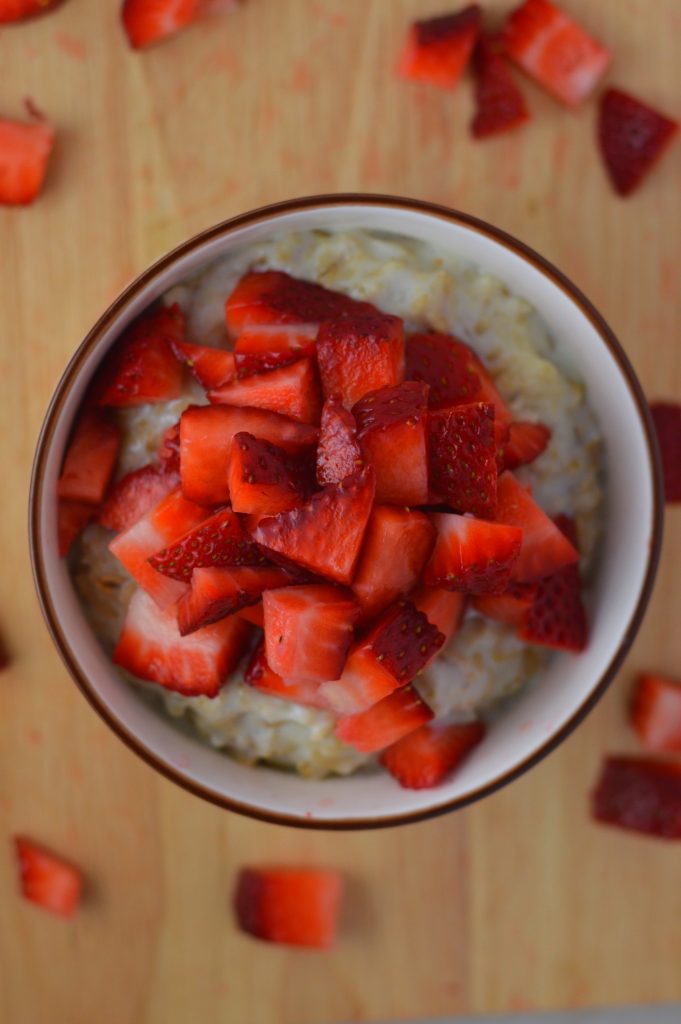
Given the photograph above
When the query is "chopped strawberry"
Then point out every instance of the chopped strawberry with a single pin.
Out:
(632, 138)
(215, 542)
(555, 51)
(48, 880)
(149, 21)
(17, 10)
(438, 49)
(72, 518)
(398, 647)
(385, 722)
(206, 434)
(423, 758)
(151, 647)
(338, 452)
(254, 614)
(261, 477)
(90, 458)
(442, 608)
(526, 442)
(271, 345)
(512, 607)
(462, 457)
(500, 105)
(167, 521)
(446, 365)
(545, 549)
(556, 617)
(261, 677)
(134, 494)
(358, 354)
(324, 535)
(212, 367)
(169, 449)
(293, 906)
(24, 153)
(308, 631)
(216, 593)
(382, 577)
(291, 390)
(667, 421)
(391, 426)
(472, 556)
(656, 713)
(641, 795)
(250, 363)
(141, 366)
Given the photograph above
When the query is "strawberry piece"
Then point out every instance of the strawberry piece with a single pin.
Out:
(526, 442)
(215, 542)
(462, 457)
(291, 390)
(308, 631)
(250, 363)
(149, 21)
(90, 458)
(212, 367)
(632, 138)
(151, 647)
(46, 879)
(446, 365)
(667, 421)
(24, 153)
(324, 535)
(555, 51)
(338, 452)
(512, 607)
(398, 647)
(423, 758)
(170, 519)
(381, 577)
(293, 906)
(640, 795)
(556, 617)
(254, 614)
(391, 426)
(438, 49)
(72, 518)
(278, 342)
(500, 105)
(385, 722)
(261, 477)
(134, 494)
(169, 449)
(656, 713)
(358, 354)
(261, 677)
(443, 608)
(206, 434)
(545, 549)
(216, 593)
(141, 366)
(17, 10)
(472, 556)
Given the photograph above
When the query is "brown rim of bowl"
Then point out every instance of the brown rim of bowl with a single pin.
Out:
(226, 227)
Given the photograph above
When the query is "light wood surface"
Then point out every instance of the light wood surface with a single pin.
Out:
(517, 903)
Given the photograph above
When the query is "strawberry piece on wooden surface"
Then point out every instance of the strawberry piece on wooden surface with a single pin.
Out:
(525, 443)
(425, 757)
(292, 391)
(134, 494)
(385, 722)
(438, 49)
(641, 795)
(293, 906)
(656, 713)
(149, 21)
(443, 608)
(212, 367)
(471, 555)
(667, 421)
(391, 425)
(545, 549)
(72, 518)
(217, 541)
(17, 10)
(260, 676)
(216, 593)
(462, 458)
(338, 451)
(47, 880)
(500, 105)
(308, 631)
(512, 607)
(261, 478)
(358, 354)
(632, 138)
(25, 150)
(446, 365)
(141, 366)
(90, 458)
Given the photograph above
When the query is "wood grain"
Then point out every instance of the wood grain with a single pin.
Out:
(519, 902)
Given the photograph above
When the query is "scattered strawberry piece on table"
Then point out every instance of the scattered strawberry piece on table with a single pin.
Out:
(667, 421)
(149, 21)
(632, 138)
(262, 478)
(640, 795)
(217, 541)
(358, 354)
(262, 678)
(512, 607)
(545, 548)
(391, 424)
(308, 631)
(48, 880)
(438, 49)
(212, 367)
(446, 365)
(90, 458)
(338, 451)
(72, 518)
(500, 105)
(25, 149)
(294, 906)
(291, 390)
(134, 494)
(141, 366)
(423, 758)
(17, 10)
(462, 458)
(656, 713)
(386, 722)
(472, 555)
(216, 593)
(443, 608)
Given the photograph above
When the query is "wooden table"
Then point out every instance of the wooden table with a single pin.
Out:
(517, 903)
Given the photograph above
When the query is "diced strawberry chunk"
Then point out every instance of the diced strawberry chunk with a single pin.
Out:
(667, 420)
(90, 458)
(261, 477)
(500, 105)
(358, 354)
(149, 21)
(391, 426)
(526, 442)
(338, 451)
(291, 390)
(512, 607)
(214, 542)
(632, 138)
(462, 457)
(656, 713)
(24, 153)
(386, 722)
(169, 450)
(472, 556)
(134, 494)
(308, 631)
(293, 906)
(212, 367)
(438, 49)
(382, 577)
(72, 518)
(261, 677)
(545, 549)
(555, 51)
(141, 366)
(423, 758)
(443, 608)
(294, 341)
(254, 614)
(641, 795)
(446, 365)
(556, 617)
(250, 363)
(17, 10)
(46, 879)
(216, 593)
(325, 535)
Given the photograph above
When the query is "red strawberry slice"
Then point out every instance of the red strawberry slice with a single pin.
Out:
(149, 21)
(555, 51)
(667, 421)
(545, 549)
(526, 442)
(291, 390)
(308, 631)
(641, 795)
(254, 614)
(217, 593)
(391, 426)
(262, 478)
(90, 458)
(358, 354)
(169, 450)
(17, 10)
(24, 153)
(135, 494)
(556, 617)
(472, 556)
(438, 49)
(72, 518)
(141, 366)
(46, 879)
(443, 608)
(212, 367)
(446, 365)
(382, 577)
(261, 677)
(512, 607)
(206, 434)
(250, 363)
(500, 105)
(656, 713)
(258, 349)
(151, 647)
(632, 138)
(215, 542)
(462, 457)
(398, 647)
(293, 906)
(324, 535)
(338, 452)
(423, 758)
(386, 722)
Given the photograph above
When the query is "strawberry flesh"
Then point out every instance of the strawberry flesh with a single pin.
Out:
(462, 458)
(358, 354)
(443, 608)
(526, 442)
(632, 138)
(25, 150)
(446, 365)
(500, 105)
(556, 617)
(134, 494)
(308, 631)
(290, 390)
(262, 477)
(141, 366)
(391, 426)
(423, 758)
(17, 10)
(438, 49)
(169, 450)
(216, 593)
(472, 556)
(293, 906)
(512, 607)
(260, 676)
(212, 367)
(640, 795)
(47, 880)
(385, 722)
(656, 713)
(545, 549)
(216, 542)
(90, 458)
(72, 518)
(149, 21)
(338, 451)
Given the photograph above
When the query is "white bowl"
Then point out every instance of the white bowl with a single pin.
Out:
(541, 715)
